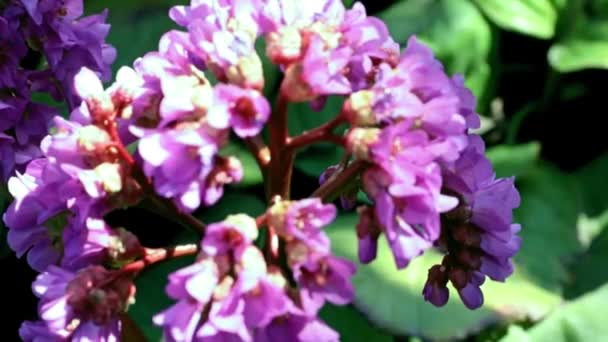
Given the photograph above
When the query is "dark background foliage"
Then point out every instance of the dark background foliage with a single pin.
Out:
(538, 68)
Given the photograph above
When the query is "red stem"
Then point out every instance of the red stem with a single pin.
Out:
(321, 133)
(280, 162)
(152, 256)
(336, 182)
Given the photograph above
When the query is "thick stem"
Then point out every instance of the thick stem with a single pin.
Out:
(280, 162)
(154, 255)
(321, 133)
(338, 181)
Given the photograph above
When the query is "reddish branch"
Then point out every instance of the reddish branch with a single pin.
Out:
(321, 133)
(280, 162)
(154, 255)
(336, 183)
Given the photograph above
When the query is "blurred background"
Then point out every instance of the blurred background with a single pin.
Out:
(539, 69)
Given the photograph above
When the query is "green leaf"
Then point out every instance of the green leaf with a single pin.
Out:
(465, 50)
(252, 174)
(351, 324)
(150, 298)
(514, 160)
(392, 299)
(536, 18)
(589, 271)
(549, 209)
(580, 320)
(592, 180)
(586, 47)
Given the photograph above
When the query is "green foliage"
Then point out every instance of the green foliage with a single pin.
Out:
(581, 320)
(351, 324)
(584, 43)
(392, 299)
(532, 17)
(514, 160)
(466, 50)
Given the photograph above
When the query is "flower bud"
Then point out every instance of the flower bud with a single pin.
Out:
(359, 140)
(247, 73)
(109, 176)
(294, 87)
(358, 108)
(96, 294)
(91, 137)
(283, 47)
(245, 223)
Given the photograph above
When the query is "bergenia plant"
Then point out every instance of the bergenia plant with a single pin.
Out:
(412, 168)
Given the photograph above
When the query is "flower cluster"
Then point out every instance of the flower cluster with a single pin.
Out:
(412, 126)
(52, 34)
(157, 134)
(241, 296)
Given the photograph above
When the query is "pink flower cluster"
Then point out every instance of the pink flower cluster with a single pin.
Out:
(158, 133)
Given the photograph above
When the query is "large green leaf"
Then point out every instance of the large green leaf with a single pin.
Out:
(393, 300)
(532, 17)
(465, 50)
(514, 160)
(549, 212)
(351, 324)
(585, 41)
(580, 320)
(586, 47)
(588, 271)
(592, 180)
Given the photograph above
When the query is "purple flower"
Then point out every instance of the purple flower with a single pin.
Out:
(86, 243)
(296, 326)
(405, 185)
(184, 165)
(83, 305)
(435, 290)
(225, 39)
(479, 234)
(302, 221)
(193, 287)
(324, 278)
(30, 218)
(38, 331)
(8, 156)
(368, 231)
(235, 233)
(249, 110)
